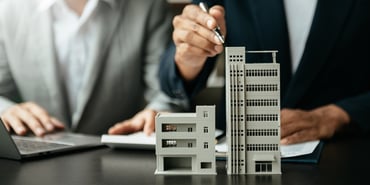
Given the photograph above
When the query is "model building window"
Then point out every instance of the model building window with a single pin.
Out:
(205, 114)
(263, 166)
(169, 128)
(169, 143)
(205, 144)
(205, 129)
(205, 165)
(190, 129)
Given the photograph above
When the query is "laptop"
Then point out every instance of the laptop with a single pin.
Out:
(22, 147)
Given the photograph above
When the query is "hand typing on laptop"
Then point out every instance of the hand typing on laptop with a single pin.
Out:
(142, 121)
(29, 116)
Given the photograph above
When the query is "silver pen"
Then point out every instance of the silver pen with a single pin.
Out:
(217, 30)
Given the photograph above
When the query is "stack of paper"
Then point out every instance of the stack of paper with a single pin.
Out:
(286, 150)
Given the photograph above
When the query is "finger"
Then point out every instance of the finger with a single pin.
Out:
(191, 28)
(15, 123)
(6, 126)
(289, 116)
(28, 119)
(293, 121)
(58, 124)
(218, 12)
(193, 39)
(149, 125)
(5, 123)
(298, 126)
(40, 114)
(118, 128)
(194, 13)
(286, 130)
(299, 137)
(195, 57)
(123, 128)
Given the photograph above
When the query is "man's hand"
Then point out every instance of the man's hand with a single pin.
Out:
(144, 120)
(25, 116)
(299, 126)
(194, 38)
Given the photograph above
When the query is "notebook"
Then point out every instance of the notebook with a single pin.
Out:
(306, 152)
(313, 157)
(21, 147)
(138, 140)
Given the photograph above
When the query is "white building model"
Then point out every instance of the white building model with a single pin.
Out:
(252, 113)
(186, 142)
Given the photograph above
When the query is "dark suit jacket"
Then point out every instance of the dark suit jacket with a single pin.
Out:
(335, 66)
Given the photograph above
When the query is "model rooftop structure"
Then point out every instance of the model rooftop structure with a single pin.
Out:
(252, 113)
(186, 142)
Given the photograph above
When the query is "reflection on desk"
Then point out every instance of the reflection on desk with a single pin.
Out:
(125, 166)
(343, 161)
(115, 167)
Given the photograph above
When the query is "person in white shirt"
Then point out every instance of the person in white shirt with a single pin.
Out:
(82, 65)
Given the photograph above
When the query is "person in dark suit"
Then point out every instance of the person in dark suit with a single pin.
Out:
(323, 54)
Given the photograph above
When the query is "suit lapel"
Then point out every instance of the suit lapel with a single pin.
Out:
(271, 28)
(44, 56)
(326, 27)
(107, 25)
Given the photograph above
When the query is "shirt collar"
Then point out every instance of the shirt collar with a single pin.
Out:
(46, 4)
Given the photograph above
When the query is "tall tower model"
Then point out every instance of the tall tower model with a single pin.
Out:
(253, 113)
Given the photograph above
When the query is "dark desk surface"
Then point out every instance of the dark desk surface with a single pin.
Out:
(343, 161)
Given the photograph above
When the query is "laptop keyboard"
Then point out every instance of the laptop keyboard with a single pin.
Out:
(31, 146)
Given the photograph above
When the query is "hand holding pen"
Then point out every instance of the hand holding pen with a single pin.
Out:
(215, 30)
(198, 34)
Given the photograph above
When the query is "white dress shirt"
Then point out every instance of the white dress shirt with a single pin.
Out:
(299, 15)
(72, 39)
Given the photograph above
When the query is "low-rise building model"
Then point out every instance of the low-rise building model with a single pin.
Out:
(186, 142)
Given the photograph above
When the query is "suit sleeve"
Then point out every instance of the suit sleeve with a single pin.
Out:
(7, 85)
(159, 35)
(358, 108)
(171, 81)
(173, 84)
